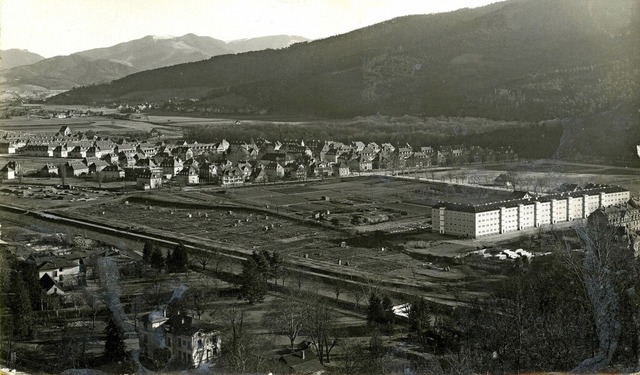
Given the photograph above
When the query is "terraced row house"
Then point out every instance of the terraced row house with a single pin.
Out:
(477, 220)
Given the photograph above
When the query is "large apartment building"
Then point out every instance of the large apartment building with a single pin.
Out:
(476, 220)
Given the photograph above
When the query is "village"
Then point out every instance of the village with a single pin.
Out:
(151, 161)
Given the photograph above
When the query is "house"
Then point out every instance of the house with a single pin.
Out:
(110, 158)
(125, 159)
(360, 164)
(40, 150)
(62, 271)
(64, 131)
(48, 170)
(503, 180)
(419, 159)
(76, 168)
(301, 172)
(60, 151)
(78, 149)
(274, 170)
(625, 215)
(303, 362)
(332, 155)
(341, 170)
(148, 180)
(146, 148)
(7, 148)
(171, 166)
(259, 175)
(148, 163)
(188, 176)
(182, 152)
(112, 172)
(8, 172)
(50, 286)
(94, 152)
(321, 169)
(191, 342)
(97, 166)
(208, 172)
(127, 149)
(232, 176)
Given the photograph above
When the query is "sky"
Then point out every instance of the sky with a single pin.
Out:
(62, 27)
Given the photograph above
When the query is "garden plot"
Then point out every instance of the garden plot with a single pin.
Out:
(240, 227)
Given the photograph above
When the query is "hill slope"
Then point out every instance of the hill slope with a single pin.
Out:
(524, 59)
(16, 57)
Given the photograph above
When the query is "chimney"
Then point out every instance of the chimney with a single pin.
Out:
(302, 354)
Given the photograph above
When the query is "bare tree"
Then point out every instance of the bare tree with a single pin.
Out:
(202, 257)
(322, 331)
(219, 261)
(605, 272)
(93, 302)
(358, 293)
(245, 352)
(288, 317)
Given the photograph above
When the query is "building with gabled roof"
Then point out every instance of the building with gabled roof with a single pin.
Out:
(625, 215)
(188, 176)
(147, 179)
(303, 362)
(76, 168)
(112, 172)
(189, 341)
(8, 172)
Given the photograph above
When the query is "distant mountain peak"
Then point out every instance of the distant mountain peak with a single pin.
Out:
(163, 37)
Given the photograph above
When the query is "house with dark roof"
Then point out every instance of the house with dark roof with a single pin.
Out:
(60, 151)
(112, 172)
(147, 179)
(48, 170)
(62, 271)
(50, 286)
(188, 176)
(171, 166)
(97, 166)
(181, 337)
(303, 362)
(8, 172)
(76, 168)
(7, 147)
(625, 215)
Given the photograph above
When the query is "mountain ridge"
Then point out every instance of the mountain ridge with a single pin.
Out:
(527, 60)
(119, 60)
(13, 57)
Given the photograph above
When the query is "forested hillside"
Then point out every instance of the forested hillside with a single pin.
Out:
(516, 60)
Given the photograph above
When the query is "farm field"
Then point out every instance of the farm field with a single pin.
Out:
(543, 177)
(286, 227)
(99, 125)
